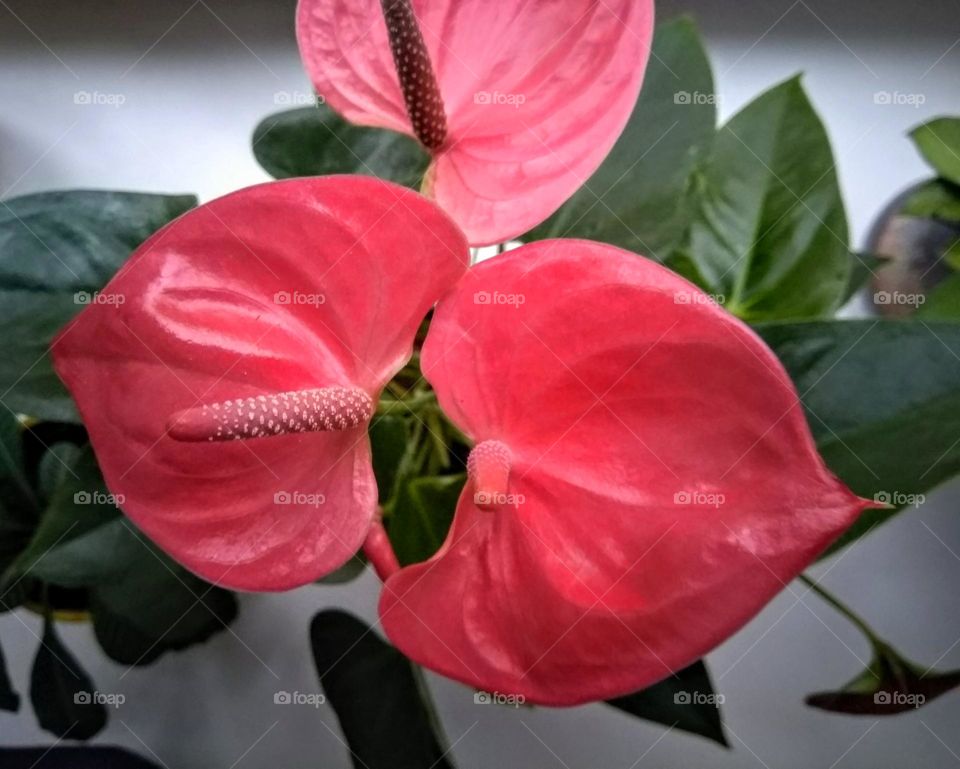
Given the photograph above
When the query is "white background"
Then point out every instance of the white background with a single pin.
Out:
(196, 78)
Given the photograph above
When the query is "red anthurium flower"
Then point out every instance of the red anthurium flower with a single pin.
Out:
(643, 481)
(518, 102)
(227, 373)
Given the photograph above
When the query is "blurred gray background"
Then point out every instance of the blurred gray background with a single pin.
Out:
(196, 77)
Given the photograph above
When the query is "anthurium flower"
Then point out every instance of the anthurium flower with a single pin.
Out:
(229, 372)
(518, 102)
(643, 479)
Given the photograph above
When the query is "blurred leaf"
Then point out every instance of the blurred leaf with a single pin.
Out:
(421, 516)
(316, 141)
(56, 250)
(56, 757)
(862, 268)
(939, 143)
(377, 695)
(770, 234)
(943, 303)
(62, 692)
(883, 402)
(684, 701)
(388, 442)
(890, 685)
(637, 199)
(9, 699)
(934, 200)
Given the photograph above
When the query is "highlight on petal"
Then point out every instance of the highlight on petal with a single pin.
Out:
(227, 373)
(662, 483)
(535, 94)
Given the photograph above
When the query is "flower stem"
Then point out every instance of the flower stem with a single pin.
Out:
(380, 552)
(846, 611)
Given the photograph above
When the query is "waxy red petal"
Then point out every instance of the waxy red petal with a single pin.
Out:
(286, 286)
(663, 487)
(535, 93)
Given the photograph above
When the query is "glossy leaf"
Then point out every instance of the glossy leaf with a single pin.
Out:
(422, 515)
(377, 695)
(388, 444)
(62, 693)
(770, 233)
(936, 199)
(57, 250)
(939, 143)
(316, 141)
(883, 402)
(684, 701)
(638, 199)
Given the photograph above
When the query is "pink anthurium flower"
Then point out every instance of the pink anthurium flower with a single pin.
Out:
(518, 102)
(643, 479)
(229, 372)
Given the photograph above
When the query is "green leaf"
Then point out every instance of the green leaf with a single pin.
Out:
(934, 200)
(684, 701)
(943, 303)
(157, 606)
(57, 249)
(388, 442)
(62, 693)
(770, 233)
(9, 699)
(72, 758)
(421, 516)
(637, 198)
(939, 143)
(378, 696)
(883, 402)
(862, 268)
(316, 141)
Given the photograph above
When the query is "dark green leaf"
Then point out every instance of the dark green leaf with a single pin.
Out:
(943, 303)
(316, 141)
(934, 200)
(57, 249)
(388, 442)
(770, 233)
(62, 693)
(421, 516)
(883, 401)
(9, 699)
(684, 701)
(72, 758)
(18, 501)
(156, 606)
(377, 694)
(637, 198)
(939, 143)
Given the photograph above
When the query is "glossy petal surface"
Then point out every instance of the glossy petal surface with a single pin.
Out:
(535, 93)
(664, 484)
(285, 286)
